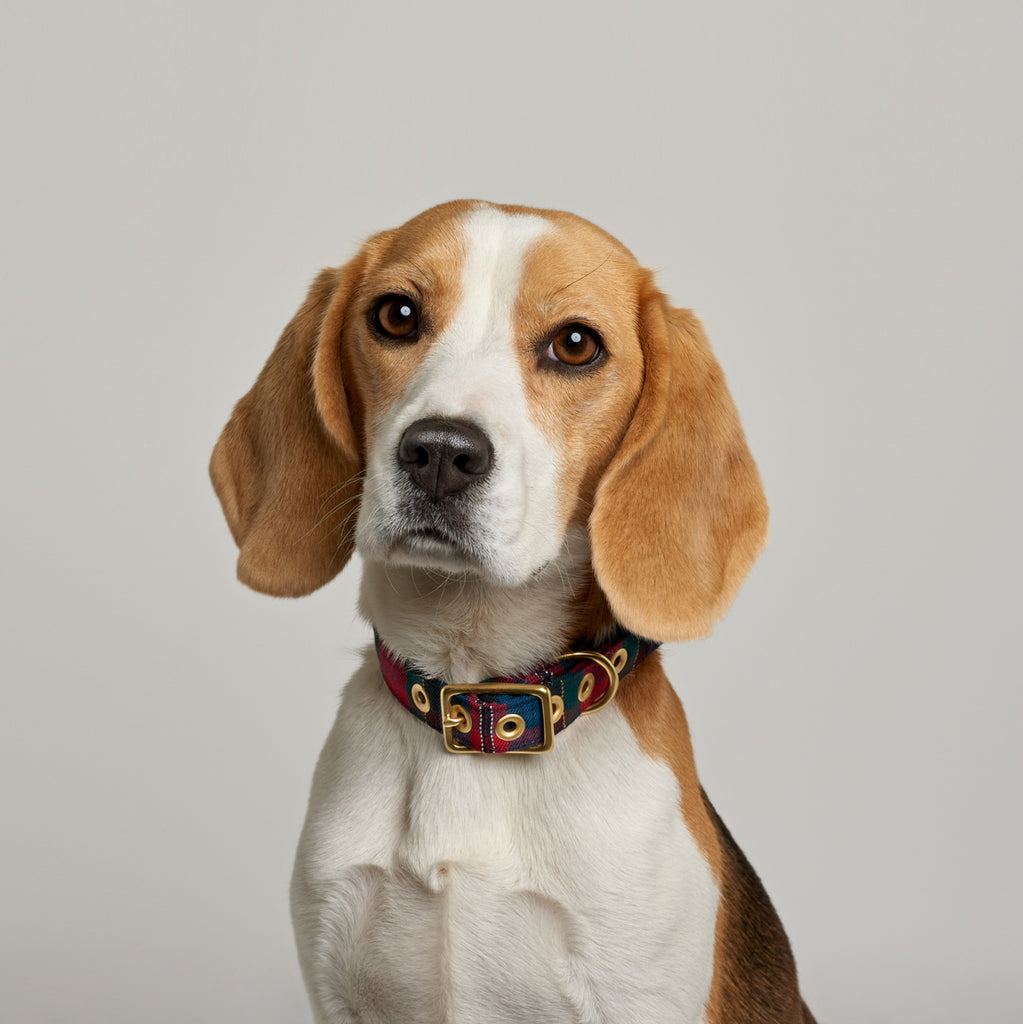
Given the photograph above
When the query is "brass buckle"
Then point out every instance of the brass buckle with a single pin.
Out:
(450, 720)
(612, 675)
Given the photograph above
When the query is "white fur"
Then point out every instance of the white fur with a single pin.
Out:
(436, 887)
(432, 887)
(465, 628)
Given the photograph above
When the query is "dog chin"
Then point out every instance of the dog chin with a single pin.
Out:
(432, 551)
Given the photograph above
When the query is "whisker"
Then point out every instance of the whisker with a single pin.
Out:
(340, 528)
(587, 274)
(319, 522)
(387, 576)
(327, 495)
(340, 505)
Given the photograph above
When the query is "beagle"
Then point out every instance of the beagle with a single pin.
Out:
(538, 460)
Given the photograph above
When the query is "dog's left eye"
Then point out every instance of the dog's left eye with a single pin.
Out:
(575, 345)
(396, 316)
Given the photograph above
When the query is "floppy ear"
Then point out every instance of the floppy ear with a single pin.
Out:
(287, 467)
(680, 515)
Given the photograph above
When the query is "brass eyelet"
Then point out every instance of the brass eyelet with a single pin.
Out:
(620, 658)
(511, 727)
(586, 686)
(559, 708)
(419, 698)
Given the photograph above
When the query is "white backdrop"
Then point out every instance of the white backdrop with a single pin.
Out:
(835, 188)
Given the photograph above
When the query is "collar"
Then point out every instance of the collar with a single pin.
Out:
(518, 715)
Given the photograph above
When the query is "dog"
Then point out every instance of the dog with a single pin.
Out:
(539, 462)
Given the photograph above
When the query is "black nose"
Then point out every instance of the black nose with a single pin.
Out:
(443, 456)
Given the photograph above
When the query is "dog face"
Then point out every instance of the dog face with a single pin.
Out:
(470, 389)
(497, 366)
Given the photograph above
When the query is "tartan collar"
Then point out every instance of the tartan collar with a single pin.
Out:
(518, 715)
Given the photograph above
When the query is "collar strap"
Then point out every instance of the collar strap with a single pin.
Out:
(515, 715)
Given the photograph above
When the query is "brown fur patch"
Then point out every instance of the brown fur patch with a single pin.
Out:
(754, 971)
(654, 713)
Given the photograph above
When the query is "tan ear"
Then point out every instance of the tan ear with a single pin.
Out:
(287, 467)
(680, 515)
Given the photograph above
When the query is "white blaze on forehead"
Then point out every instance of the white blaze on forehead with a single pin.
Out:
(474, 363)
(497, 245)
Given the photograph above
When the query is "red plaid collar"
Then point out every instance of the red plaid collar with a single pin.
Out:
(515, 715)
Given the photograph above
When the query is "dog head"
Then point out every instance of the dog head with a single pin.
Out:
(473, 388)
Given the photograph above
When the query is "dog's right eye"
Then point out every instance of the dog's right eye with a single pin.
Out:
(396, 316)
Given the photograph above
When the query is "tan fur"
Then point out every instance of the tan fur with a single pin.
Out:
(279, 468)
(422, 255)
(579, 271)
(672, 563)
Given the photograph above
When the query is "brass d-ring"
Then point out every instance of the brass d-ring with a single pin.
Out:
(608, 667)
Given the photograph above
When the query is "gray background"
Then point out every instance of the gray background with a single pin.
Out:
(834, 187)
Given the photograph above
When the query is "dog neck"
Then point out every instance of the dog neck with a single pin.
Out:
(463, 628)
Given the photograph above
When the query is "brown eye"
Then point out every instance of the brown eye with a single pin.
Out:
(396, 317)
(575, 345)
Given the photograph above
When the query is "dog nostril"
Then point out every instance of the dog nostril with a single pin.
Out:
(443, 457)
(410, 453)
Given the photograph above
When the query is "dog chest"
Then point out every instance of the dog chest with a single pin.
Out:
(437, 887)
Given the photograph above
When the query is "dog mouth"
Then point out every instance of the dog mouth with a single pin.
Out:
(434, 541)
(429, 539)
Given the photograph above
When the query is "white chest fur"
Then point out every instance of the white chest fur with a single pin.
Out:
(432, 887)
